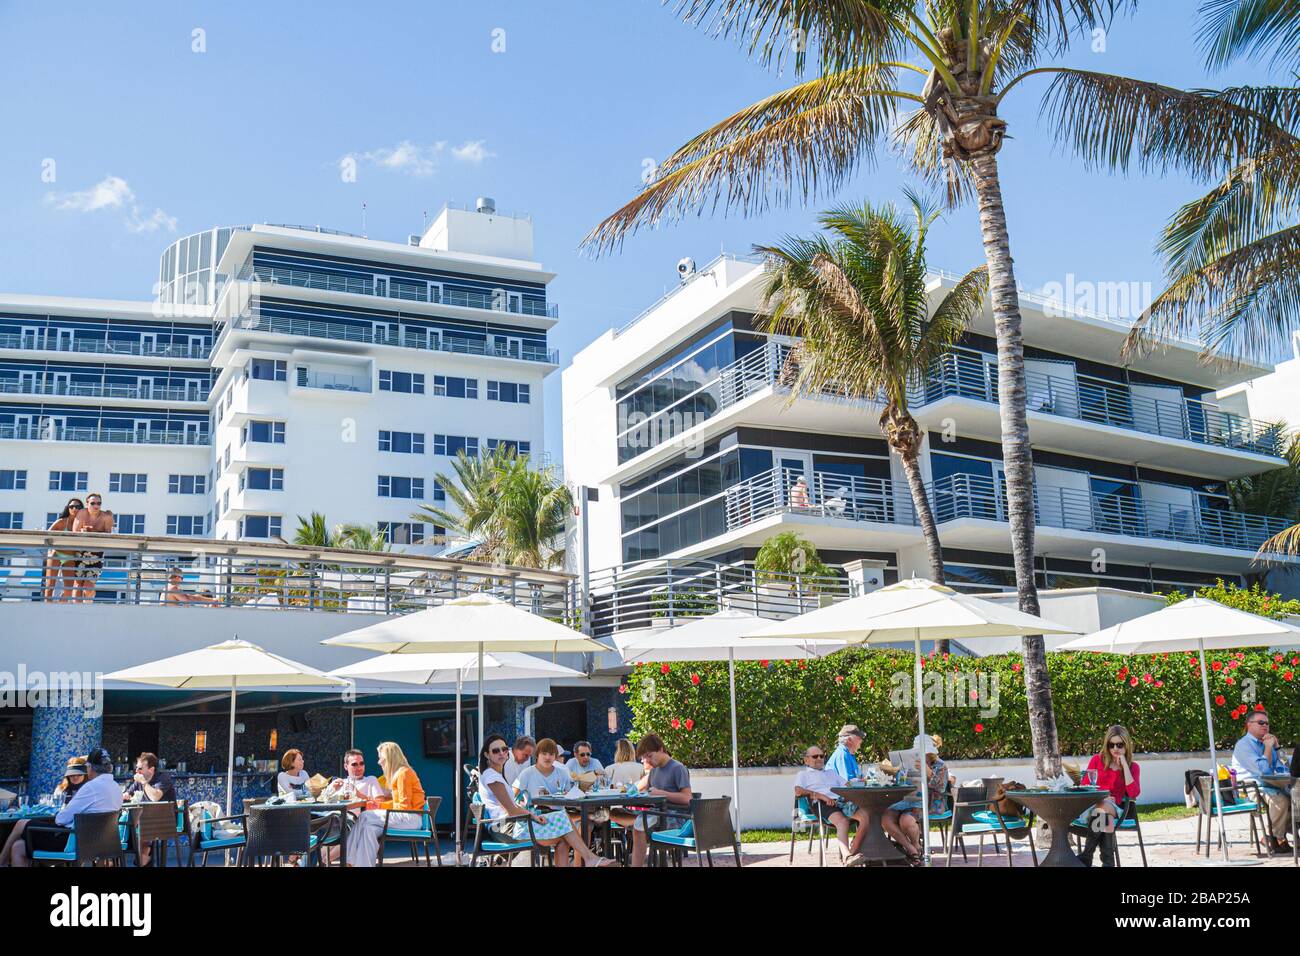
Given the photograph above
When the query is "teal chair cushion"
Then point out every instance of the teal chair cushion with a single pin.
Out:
(675, 837)
(223, 843)
(990, 818)
(492, 846)
(393, 833)
(67, 855)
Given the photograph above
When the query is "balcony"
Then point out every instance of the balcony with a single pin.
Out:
(828, 495)
(145, 393)
(341, 332)
(123, 436)
(398, 289)
(13, 340)
(332, 382)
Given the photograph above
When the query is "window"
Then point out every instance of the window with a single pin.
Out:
(508, 392)
(259, 526)
(262, 479)
(518, 447)
(127, 483)
(269, 369)
(128, 524)
(11, 520)
(225, 501)
(409, 443)
(68, 481)
(51, 517)
(409, 382)
(454, 387)
(401, 532)
(268, 432)
(187, 484)
(453, 445)
(185, 525)
(225, 459)
(13, 480)
(396, 486)
(439, 492)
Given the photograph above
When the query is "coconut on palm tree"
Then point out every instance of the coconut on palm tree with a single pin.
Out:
(930, 76)
(856, 298)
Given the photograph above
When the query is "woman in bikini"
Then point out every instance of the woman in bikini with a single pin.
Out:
(63, 563)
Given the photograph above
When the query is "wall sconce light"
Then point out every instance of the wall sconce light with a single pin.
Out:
(613, 720)
(275, 740)
(200, 741)
(239, 728)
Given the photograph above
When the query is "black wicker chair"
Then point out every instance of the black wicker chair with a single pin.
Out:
(95, 837)
(708, 827)
(276, 833)
(154, 825)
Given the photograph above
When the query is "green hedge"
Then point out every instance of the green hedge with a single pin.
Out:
(785, 705)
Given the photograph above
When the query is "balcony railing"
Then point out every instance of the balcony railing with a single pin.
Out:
(50, 343)
(272, 576)
(85, 390)
(1089, 399)
(977, 496)
(341, 332)
(399, 289)
(124, 436)
(828, 495)
(334, 382)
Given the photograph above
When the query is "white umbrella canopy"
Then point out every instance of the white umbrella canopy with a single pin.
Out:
(914, 610)
(1197, 624)
(720, 637)
(228, 665)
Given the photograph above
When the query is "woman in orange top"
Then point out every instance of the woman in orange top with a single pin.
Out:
(407, 803)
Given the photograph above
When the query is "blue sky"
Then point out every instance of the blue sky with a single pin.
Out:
(558, 125)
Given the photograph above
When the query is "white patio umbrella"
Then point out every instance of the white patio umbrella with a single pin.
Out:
(719, 637)
(443, 669)
(912, 610)
(232, 665)
(1195, 624)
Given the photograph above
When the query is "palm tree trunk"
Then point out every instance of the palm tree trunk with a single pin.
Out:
(1017, 456)
(925, 517)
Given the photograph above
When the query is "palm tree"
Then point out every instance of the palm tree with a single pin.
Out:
(858, 303)
(363, 537)
(970, 55)
(314, 532)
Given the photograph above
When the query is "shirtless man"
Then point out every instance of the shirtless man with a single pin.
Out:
(176, 594)
(92, 520)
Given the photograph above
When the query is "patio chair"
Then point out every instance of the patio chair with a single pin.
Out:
(944, 820)
(1295, 822)
(495, 846)
(973, 815)
(211, 832)
(1208, 808)
(422, 836)
(154, 825)
(94, 837)
(803, 818)
(709, 827)
(1126, 823)
(275, 834)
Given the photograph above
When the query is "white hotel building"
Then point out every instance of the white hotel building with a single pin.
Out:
(681, 425)
(282, 370)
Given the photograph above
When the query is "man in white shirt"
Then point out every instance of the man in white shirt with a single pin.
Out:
(358, 783)
(582, 761)
(521, 756)
(100, 793)
(816, 783)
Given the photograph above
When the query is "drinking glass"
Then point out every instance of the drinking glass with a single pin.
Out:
(1090, 778)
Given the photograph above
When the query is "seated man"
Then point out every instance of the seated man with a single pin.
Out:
(100, 793)
(1256, 754)
(357, 784)
(816, 783)
(521, 756)
(176, 595)
(582, 761)
(664, 777)
(153, 785)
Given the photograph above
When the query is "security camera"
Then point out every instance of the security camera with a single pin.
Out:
(685, 268)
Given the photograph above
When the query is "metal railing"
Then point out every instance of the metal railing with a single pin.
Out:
(827, 495)
(255, 321)
(268, 576)
(334, 382)
(663, 593)
(403, 289)
(977, 496)
(706, 269)
(87, 390)
(1086, 398)
(52, 343)
(124, 436)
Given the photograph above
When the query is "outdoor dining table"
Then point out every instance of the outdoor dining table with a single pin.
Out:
(320, 809)
(874, 801)
(599, 800)
(1058, 809)
(1279, 781)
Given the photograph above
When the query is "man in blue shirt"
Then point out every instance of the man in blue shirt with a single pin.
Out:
(844, 759)
(98, 794)
(1257, 754)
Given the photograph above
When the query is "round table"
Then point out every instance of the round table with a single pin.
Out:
(1279, 781)
(874, 801)
(1058, 809)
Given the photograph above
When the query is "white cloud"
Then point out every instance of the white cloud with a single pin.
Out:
(111, 192)
(151, 223)
(472, 151)
(406, 157)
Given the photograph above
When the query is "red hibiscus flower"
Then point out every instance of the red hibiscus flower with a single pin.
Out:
(1132, 682)
(1016, 667)
(1220, 700)
(695, 679)
(675, 723)
(839, 678)
(1217, 665)
(1160, 683)
(1289, 675)
(622, 688)
(663, 668)
(690, 724)
(979, 728)
(1147, 678)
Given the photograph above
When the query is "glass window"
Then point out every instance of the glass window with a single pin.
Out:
(185, 525)
(127, 483)
(187, 484)
(128, 524)
(269, 432)
(11, 520)
(68, 481)
(13, 479)
(398, 486)
(399, 532)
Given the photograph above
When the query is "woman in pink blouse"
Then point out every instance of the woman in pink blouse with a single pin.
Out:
(1118, 774)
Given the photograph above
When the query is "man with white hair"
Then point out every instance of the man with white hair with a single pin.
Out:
(817, 783)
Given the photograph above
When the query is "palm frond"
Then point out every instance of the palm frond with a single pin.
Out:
(1283, 545)
(1234, 28)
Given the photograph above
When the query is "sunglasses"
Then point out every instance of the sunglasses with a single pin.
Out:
(1116, 745)
(498, 750)
(74, 507)
(585, 754)
(96, 502)
(816, 756)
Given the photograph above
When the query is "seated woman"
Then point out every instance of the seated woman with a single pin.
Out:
(292, 777)
(626, 768)
(1118, 774)
(407, 805)
(902, 820)
(73, 777)
(550, 829)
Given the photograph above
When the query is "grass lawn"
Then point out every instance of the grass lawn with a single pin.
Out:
(1146, 812)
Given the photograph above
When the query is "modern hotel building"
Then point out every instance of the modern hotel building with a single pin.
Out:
(682, 425)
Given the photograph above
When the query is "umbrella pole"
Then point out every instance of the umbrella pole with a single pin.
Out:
(735, 750)
(455, 760)
(482, 714)
(1214, 756)
(230, 756)
(925, 787)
